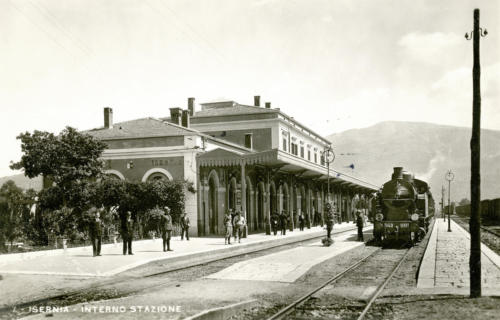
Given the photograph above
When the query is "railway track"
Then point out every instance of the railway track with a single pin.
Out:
(78, 296)
(287, 312)
(490, 231)
(489, 237)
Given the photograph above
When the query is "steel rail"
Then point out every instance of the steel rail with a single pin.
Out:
(291, 307)
(74, 293)
(381, 287)
(490, 231)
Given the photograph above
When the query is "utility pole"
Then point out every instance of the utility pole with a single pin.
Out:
(475, 181)
(442, 203)
(449, 176)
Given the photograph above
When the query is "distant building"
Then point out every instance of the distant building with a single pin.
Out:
(250, 158)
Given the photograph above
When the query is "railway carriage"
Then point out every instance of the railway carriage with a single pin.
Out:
(405, 207)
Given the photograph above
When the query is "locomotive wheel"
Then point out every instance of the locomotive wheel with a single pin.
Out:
(421, 234)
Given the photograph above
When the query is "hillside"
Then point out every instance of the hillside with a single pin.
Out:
(426, 149)
(23, 182)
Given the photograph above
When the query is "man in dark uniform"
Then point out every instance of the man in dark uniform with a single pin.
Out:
(127, 228)
(301, 221)
(275, 222)
(359, 224)
(283, 222)
(166, 228)
(95, 231)
(185, 223)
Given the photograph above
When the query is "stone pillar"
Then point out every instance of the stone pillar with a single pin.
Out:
(339, 205)
(244, 197)
(267, 212)
(308, 207)
(201, 192)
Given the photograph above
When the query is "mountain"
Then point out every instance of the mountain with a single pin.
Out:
(428, 150)
(24, 182)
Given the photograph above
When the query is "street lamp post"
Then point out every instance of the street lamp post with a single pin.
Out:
(329, 158)
(442, 204)
(449, 176)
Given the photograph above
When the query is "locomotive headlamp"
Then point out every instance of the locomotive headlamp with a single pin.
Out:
(414, 217)
(379, 217)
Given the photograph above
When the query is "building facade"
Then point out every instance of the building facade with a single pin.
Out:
(250, 158)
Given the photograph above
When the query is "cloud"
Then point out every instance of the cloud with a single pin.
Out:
(428, 47)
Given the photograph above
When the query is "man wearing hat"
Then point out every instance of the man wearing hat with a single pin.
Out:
(359, 224)
(127, 228)
(95, 231)
(166, 228)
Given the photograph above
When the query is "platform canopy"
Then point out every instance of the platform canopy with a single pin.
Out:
(285, 162)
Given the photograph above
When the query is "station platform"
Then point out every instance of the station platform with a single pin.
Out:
(445, 265)
(80, 262)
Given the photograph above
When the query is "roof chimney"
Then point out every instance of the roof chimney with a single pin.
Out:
(268, 105)
(185, 118)
(191, 106)
(256, 101)
(175, 115)
(108, 118)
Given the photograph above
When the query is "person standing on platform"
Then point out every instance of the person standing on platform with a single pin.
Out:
(239, 225)
(275, 222)
(185, 223)
(233, 215)
(301, 221)
(283, 222)
(166, 228)
(95, 231)
(229, 228)
(127, 228)
(359, 224)
(330, 219)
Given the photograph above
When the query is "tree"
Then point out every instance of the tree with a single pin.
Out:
(71, 160)
(13, 206)
(68, 159)
(464, 202)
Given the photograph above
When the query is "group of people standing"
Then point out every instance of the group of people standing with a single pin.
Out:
(279, 221)
(128, 226)
(235, 225)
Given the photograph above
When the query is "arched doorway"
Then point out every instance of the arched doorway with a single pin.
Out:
(303, 205)
(232, 194)
(213, 188)
(286, 197)
(274, 198)
(248, 194)
(259, 222)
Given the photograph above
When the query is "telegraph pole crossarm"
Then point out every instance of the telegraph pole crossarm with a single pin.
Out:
(475, 147)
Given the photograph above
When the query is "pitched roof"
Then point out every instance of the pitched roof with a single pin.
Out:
(141, 128)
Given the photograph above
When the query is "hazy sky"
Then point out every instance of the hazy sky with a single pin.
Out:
(333, 65)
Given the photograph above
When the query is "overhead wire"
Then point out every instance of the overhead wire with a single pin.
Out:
(160, 12)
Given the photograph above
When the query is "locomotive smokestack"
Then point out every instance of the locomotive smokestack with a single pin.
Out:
(398, 173)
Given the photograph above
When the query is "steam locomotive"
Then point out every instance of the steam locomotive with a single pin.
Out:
(404, 209)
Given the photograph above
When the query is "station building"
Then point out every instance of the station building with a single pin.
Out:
(251, 158)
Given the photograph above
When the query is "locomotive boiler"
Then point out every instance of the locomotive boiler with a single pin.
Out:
(404, 209)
